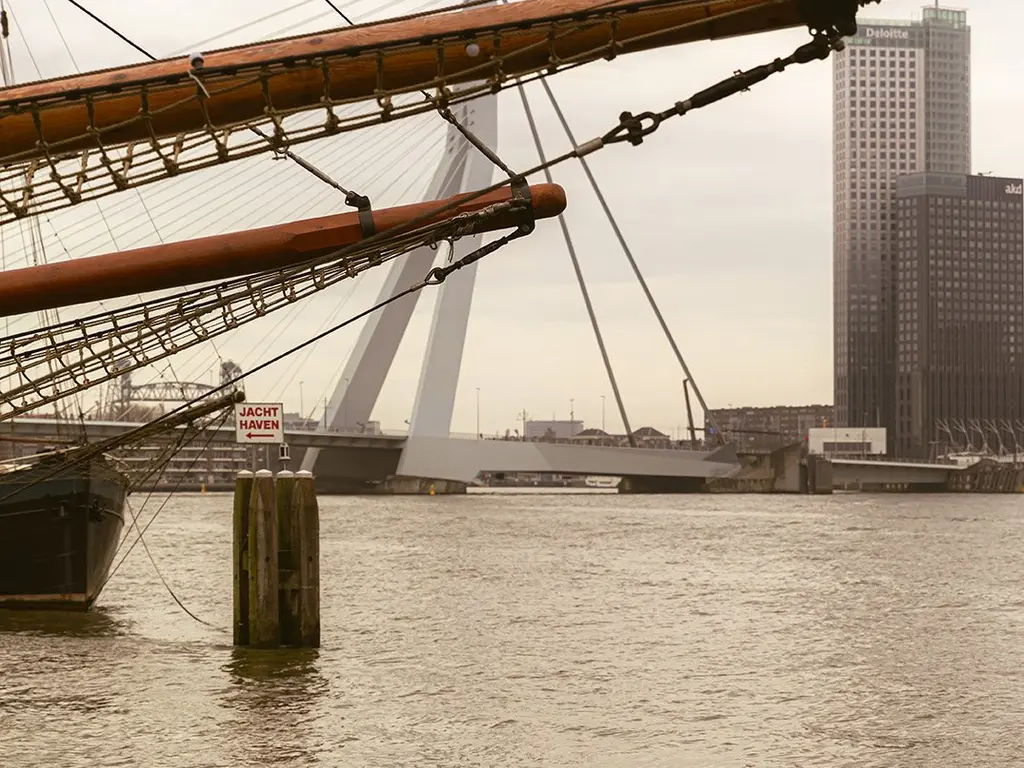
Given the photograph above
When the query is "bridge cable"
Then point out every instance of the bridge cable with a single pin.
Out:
(629, 257)
(298, 160)
(579, 273)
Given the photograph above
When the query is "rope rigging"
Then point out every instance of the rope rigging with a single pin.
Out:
(183, 413)
(442, 108)
(628, 253)
(187, 204)
(580, 281)
(92, 333)
(123, 139)
(38, 244)
(338, 10)
(112, 30)
(360, 202)
(144, 333)
(211, 431)
(186, 427)
(631, 129)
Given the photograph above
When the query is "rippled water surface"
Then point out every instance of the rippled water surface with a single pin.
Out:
(554, 630)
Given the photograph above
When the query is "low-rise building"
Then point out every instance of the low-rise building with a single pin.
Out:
(752, 428)
(553, 430)
(846, 442)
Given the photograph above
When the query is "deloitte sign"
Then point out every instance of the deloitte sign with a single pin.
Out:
(884, 33)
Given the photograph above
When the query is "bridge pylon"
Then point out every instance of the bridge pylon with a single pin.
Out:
(462, 168)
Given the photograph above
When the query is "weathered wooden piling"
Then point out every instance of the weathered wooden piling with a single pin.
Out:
(240, 556)
(306, 517)
(264, 627)
(276, 554)
(288, 577)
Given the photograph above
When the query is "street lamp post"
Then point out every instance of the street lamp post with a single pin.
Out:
(478, 433)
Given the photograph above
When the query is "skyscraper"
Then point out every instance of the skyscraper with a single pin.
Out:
(960, 311)
(901, 105)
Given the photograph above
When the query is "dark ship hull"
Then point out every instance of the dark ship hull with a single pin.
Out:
(60, 525)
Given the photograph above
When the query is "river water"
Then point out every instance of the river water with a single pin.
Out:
(554, 630)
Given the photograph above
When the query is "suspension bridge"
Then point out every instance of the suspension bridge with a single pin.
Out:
(429, 456)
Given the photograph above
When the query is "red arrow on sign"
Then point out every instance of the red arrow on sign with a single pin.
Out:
(250, 435)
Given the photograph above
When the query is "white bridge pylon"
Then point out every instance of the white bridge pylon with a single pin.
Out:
(462, 168)
(429, 451)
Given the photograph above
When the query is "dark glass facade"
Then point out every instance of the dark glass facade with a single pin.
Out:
(901, 106)
(959, 349)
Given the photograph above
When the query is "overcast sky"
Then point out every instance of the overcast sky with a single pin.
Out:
(727, 210)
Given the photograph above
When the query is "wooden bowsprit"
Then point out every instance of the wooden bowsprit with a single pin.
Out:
(44, 365)
(192, 262)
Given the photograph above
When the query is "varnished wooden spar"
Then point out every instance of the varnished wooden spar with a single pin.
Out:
(189, 262)
(362, 62)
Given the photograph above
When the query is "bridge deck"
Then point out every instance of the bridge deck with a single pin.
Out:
(461, 460)
(901, 464)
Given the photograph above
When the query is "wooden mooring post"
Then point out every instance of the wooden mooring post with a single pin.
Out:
(276, 560)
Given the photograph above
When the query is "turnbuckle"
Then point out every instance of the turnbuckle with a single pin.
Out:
(633, 128)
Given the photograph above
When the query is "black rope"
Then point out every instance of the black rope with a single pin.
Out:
(473, 139)
(589, 147)
(142, 531)
(635, 128)
(354, 199)
(436, 276)
(101, 22)
(341, 13)
(446, 113)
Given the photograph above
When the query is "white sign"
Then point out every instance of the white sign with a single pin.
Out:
(884, 33)
(259, 422)
(1015, 189)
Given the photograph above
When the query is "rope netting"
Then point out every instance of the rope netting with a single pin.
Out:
(112, 457)
(42, 366)
(63, 147)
